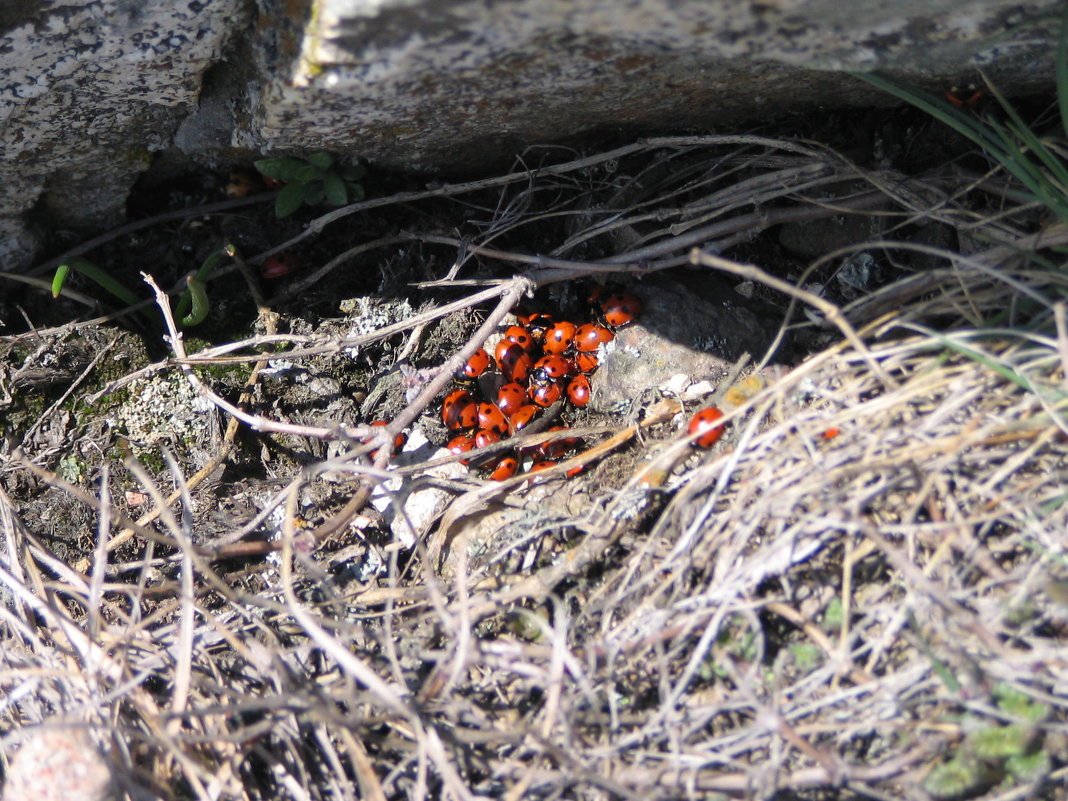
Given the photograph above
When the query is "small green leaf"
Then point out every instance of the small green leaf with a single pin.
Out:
(314, 194)
(1001, 742)
(72, 469)
(334, 189)
(807, 656)
(321, 160)
(284, 169)
(1028, 767)
(832, 615)
(356, 193)
(1018, 704)
(290, 198)
(309, 173)
(953, 778)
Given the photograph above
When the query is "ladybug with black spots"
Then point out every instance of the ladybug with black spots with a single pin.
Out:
(459, 410)
(544, 363)
(478, 364)
(705, 424)
(620, 309)
(591, 336)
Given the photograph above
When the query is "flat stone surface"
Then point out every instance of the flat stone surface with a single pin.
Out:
(91, 91)
(694, 326)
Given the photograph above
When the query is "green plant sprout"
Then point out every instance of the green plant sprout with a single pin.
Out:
(312, 181)
(90, 270)
(193, 305)
(1037, 163)
(1004, 752)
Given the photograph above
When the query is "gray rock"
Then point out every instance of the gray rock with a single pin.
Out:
(694, 326)
(89, 92)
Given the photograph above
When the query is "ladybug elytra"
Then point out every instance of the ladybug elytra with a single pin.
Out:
(550, 368)
(459, 410)
(510, 397)
(620, 309)
(398, 441)
(461, 443)
(513, 361)
(545, 395)
(591, 336)
(523, 416)
(578, 390)
(507, 467)
(586, 362)
(519, 335)
(559, 338)
(491, 418)
(486, 437)
(705, 424)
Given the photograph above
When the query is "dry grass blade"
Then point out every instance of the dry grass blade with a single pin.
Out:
(860, 591)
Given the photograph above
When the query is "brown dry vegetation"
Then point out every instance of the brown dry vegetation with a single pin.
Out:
(877, 614)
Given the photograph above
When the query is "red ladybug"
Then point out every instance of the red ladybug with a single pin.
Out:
(507, 467)
(523, 416)
(486, 437)
(620, 309)
(459, 410)
(543, 464)
(545, 395)
(278, 265)
(242, 184)
(398, 441)
(491, 418)
(556, 448)
(514, 362)
(586, 362)
(461, 443)
(537, 325)
(519, 335)
(476, 366)
(705, 423)
(550, 368)
(964, 96)
(578, 390)
(559, 338)
(510, 397)
(591, 336)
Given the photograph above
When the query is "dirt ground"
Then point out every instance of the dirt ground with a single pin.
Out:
(219, 583)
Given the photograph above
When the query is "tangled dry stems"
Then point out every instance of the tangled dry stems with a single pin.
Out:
(793, 611)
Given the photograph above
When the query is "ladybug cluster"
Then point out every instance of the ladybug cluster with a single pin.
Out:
(538, 362)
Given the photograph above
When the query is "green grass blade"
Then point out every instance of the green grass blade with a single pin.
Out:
(1004, 143)
(1062, 72)
(942, 111)
(90, 270)
(1023, 133)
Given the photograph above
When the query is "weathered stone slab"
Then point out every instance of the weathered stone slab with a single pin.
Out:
(91, 90)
